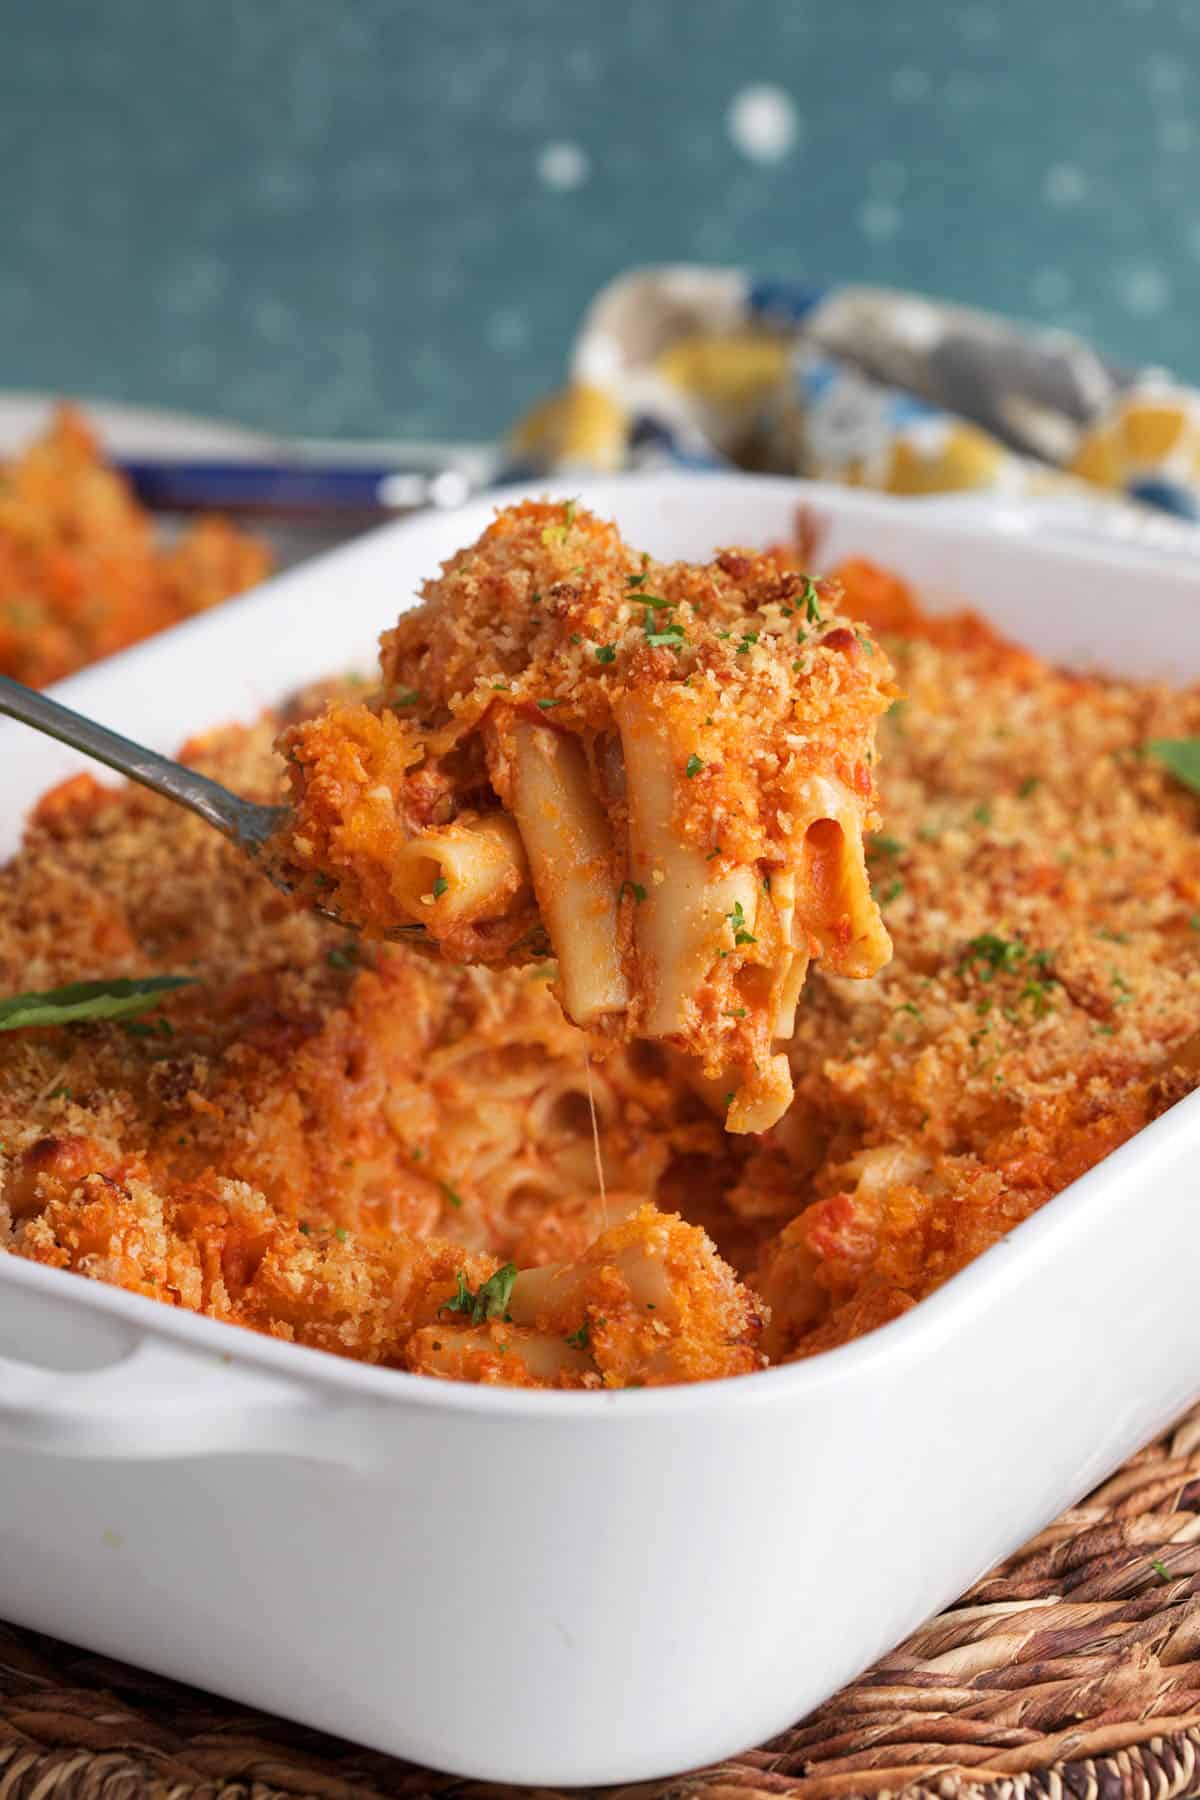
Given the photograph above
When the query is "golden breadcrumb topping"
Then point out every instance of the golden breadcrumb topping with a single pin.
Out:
(356, 1147)
(82, 569)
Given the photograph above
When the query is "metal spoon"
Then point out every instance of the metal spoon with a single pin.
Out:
(246, 823)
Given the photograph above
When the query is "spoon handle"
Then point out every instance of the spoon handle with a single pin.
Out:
(242, 821)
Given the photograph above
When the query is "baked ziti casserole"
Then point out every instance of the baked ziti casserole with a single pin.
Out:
(422, 1161)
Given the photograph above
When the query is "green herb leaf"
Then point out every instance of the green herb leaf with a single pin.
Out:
(880, 844)
(490, 1302)
(1028, 785)
(750, 638)
(1160, 1568)
(605, 653)
(406, 697)
(636, 889)
(558, 533)
(812, 602)
(343, 956)
(341, 1234)
(545, 705)
(440, 886)
(1180, 757)
(693, 766)
(670, 639)
(87, 1000)
(581, 1339)
(452, 1196)
(737, 919)
(989, 953)
(654, 600)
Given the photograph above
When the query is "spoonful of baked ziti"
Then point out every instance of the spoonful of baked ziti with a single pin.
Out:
(658, 773)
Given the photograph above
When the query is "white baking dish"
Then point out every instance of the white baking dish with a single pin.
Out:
(584, 1587)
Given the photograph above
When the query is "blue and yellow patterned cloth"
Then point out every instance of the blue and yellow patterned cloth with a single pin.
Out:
(866, 386)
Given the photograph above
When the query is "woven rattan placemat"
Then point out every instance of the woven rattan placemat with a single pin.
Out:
(1073, 1669)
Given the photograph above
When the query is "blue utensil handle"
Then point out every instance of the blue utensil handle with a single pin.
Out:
(294, 489)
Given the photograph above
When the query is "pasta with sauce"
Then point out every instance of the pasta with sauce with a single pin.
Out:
(662, 770)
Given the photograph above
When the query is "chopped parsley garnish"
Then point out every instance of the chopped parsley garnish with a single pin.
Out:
(669, 638)
(1027, 786)
(304, 1227)
(139, 1028)
(557, 533)
(343, 956)
(440, 886)
(910, 1006)
(341, 1234)
(737, 1013)
(60, 1093)
(499, 687)
(1040, 997)
(812, 602)
(865, 641)
(452, 1196)
(606, 653)
(655, 601)
(636, 581)
(988, 953)
(693, 766)
(1160, 1568)
(636, 889)
(729, 1100)
(581, 1339)
(491, 1302)
(880, 844)
(545, 705)
(717, 851)
(1180, 757)
(81, 1000)
(737, 919)
(406, 697)
(892, 892)
(983, 813)
(575, 638)
(750, 639)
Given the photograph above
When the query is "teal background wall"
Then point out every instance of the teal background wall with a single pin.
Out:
(387, 215)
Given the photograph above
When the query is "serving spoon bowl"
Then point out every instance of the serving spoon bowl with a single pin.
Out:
(247, 824)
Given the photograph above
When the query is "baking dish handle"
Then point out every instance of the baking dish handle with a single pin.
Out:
(160, 1400)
